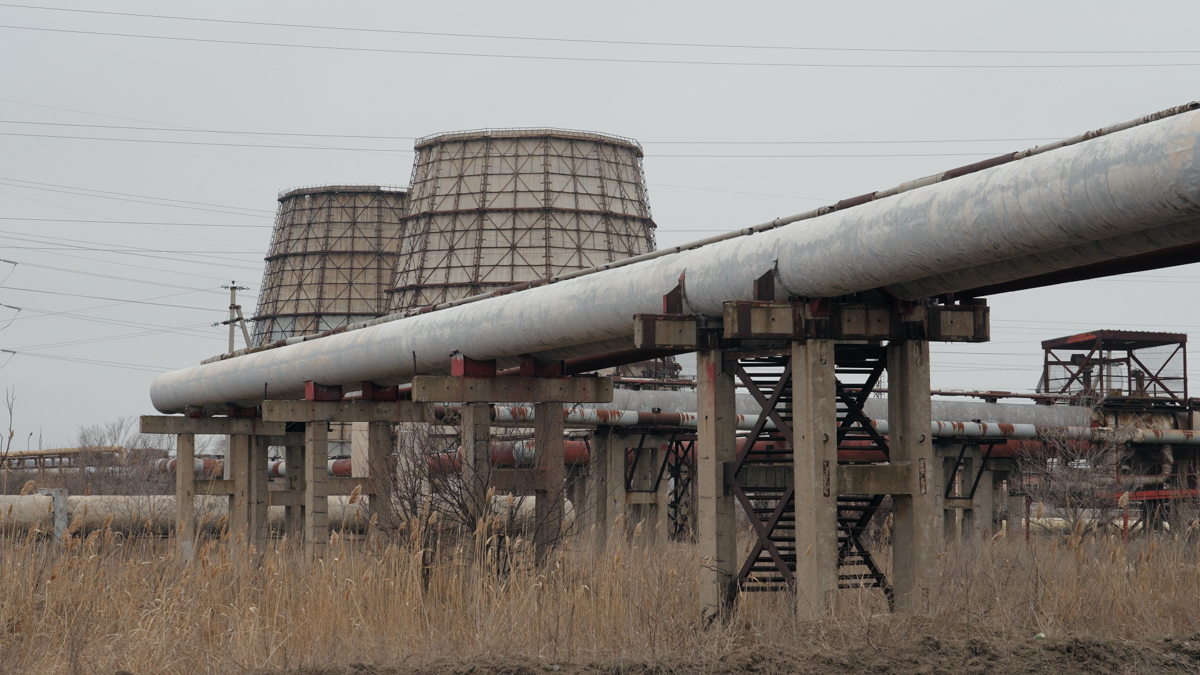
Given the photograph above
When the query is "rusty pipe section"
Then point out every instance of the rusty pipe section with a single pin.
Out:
(517, 416)
(1067, 208)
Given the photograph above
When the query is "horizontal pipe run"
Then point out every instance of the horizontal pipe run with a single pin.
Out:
(1082, 204)
(746, 231)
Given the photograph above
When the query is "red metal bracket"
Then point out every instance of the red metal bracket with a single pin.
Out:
(239, 411)
(821, 307)
(374, 392)
(193, 411)
(321, 392)
(461, 366)
(531, 367)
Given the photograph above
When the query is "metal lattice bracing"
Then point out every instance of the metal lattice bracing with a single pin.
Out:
(493, 208)
(767, 375)
(332, 258)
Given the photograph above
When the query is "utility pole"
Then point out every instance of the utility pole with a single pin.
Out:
(235, 314)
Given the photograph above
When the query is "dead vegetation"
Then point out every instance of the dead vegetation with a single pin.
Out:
(104, 602)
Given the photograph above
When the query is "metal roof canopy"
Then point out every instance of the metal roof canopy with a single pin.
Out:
(1116, 339)
(1093, 370)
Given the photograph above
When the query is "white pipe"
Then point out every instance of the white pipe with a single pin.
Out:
(1135, 181)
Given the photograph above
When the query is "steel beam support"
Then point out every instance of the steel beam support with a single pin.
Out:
(549, 488)
(716, 446)
(316, 501)
(915, 537)
(476, 432)
(814, 430)
(185, 495)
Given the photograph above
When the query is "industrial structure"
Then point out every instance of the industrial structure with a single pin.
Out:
(492, 208)
(332, 257)
(807, 315)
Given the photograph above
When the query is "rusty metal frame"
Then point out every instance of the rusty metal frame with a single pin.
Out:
(763, 528)
(681, 469)
(851, 545)
(958, 464)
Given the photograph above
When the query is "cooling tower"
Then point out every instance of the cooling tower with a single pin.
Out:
(332, 258)
(496, 207)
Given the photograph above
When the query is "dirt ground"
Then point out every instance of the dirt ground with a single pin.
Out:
(924, 654)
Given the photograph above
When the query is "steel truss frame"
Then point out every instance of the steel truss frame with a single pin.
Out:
(767, 375)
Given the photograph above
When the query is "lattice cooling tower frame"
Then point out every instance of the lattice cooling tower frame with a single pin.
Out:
(495, 207)
(332, 258)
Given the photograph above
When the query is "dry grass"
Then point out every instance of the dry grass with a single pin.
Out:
(102, 603)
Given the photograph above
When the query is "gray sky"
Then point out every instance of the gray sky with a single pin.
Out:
(821, 115)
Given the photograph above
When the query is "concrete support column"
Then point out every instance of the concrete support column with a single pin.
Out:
(379, 452)
(916, 538)
(649, 504)
(551, 474)
(360, 460)
(592, 515)
(185, 495)
(316, 501)
(814, 430)
(293, 516)
(476, 433)
(260, 504)
(618, 452)
(237, 470)
(716, 446)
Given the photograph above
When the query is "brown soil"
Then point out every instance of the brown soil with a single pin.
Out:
(925, 655)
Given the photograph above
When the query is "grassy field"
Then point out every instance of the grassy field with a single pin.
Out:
(104, 602)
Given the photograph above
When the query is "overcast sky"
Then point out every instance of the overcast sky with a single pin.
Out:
(770, 109)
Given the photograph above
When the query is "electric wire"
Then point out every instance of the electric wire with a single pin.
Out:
(391, 31)
(121, 300)
(412, 138)
(594, 59)
(68, 270)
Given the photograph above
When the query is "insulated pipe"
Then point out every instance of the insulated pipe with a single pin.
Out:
(337, 467)
(875, 406)
(945, 235)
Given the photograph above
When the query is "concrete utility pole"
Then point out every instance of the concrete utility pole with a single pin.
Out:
(235, 314)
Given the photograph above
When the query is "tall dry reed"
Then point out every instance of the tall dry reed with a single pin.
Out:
(104, 601)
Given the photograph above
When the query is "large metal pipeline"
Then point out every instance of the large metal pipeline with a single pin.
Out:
(1071, 207)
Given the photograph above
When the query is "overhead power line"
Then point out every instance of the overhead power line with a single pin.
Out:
(121, 300)
(177, 203)
(68, 270)
(234, 132)
(132, 222)
(643, 43)
(591, 59)
(652, 156)
(93, 362)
